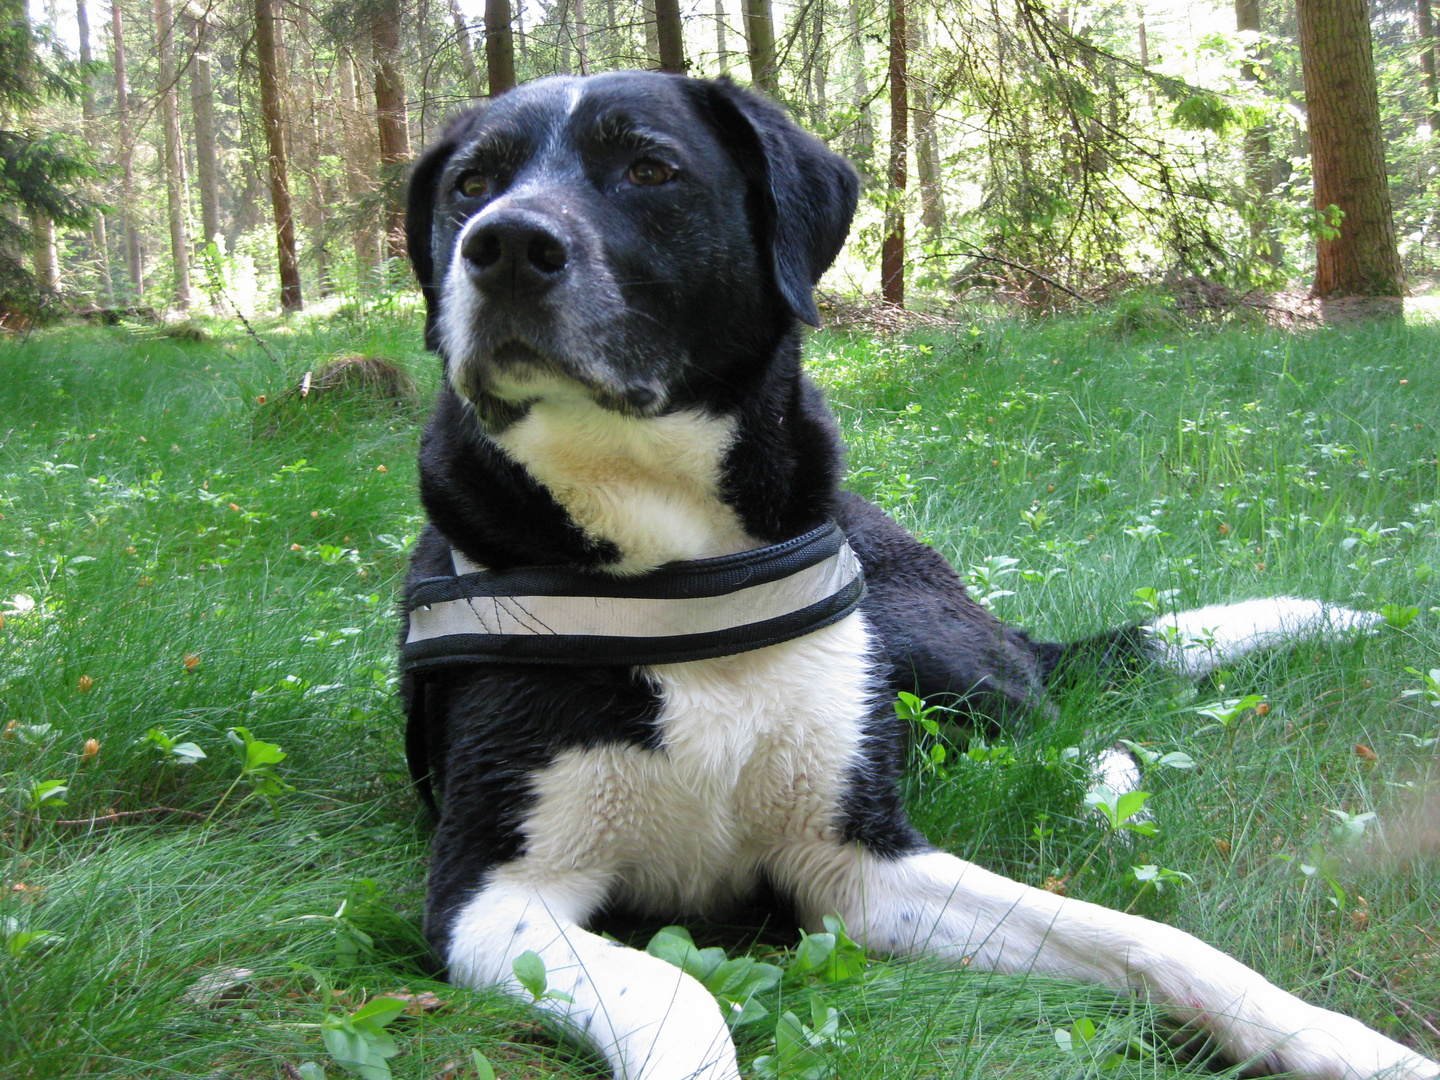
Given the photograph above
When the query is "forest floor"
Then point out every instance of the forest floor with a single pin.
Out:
(193, 556)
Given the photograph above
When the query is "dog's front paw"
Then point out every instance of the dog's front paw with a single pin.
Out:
(1335, 1047)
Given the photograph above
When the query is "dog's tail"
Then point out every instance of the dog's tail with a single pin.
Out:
(1199, 641)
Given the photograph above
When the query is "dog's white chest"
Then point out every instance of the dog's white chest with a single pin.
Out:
(756, 751)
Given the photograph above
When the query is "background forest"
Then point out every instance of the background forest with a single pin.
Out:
(235, 153)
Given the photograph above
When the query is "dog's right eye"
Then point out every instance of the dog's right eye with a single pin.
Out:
(472, 185)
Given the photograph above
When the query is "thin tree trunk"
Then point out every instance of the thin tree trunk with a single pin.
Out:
(760, 43)
(133, 264)
(270, 97)
(863, 143)
(1427, 64)
(174, 153)
(202, 102)
(722, 51)
(359, 153)
(1347, 152)
(1259, 155)
(582, 39)
(47, 261)
(391, 122)
(92, 136)
(652, 35)
(467, 50)
(307, 153)
(927, 146)
(499, 46)
(1145, 54)
(892, 249)
(670, 36)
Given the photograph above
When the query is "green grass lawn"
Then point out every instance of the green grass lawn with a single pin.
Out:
(179, 561)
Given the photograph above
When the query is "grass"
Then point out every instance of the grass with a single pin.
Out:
(196, 566)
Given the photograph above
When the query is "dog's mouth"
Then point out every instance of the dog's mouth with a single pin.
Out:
(518, 374)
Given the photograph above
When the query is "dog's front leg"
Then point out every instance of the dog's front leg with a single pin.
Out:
(649, 1019)
(934, 903)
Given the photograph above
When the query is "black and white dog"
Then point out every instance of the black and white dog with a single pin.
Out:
(643, 668)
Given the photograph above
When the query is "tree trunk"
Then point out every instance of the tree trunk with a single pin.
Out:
(202, 102)
(306, 151)
(92, 136)
(499, 46)
(359, 153)
(1259, 155)
(652, 34)
(270, 108)
(1427, 64)
(174, 153)
(1347, 152)
(391, 121)
(127, 158)
(582, 39)
(892, 249)
(670, 35)
(760, 43)
(722, 51)
(47, 261)
(467, 51)
(927, 146)
(862, 145)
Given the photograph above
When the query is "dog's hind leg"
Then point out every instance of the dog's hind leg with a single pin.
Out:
(936, 904)
(649, 1019)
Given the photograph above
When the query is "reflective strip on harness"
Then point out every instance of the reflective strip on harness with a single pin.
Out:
(682, 611)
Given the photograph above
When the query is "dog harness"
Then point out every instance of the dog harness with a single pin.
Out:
(681, 611)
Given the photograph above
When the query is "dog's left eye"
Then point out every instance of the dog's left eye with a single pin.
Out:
(472, 185)
(647, 172)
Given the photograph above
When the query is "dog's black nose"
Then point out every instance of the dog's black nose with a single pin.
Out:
(517, 250)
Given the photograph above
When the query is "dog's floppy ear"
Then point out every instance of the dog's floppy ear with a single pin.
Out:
(809, 193)
(420, 218)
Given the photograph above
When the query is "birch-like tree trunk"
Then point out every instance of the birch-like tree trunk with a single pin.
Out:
(92, 136)
(582, 39)
(202, 104)
(467, 51)
(927, 141)
(1426, 27)
(722, 51)
(133, 255)
(862, 142)
(46, 260)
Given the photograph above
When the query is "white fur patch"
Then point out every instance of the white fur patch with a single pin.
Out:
(648, 485)
(1199, 641)
(755, 751)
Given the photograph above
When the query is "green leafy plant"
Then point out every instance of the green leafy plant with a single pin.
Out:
(806, 1051)
(1399, 616)
(257, 768)
(1086, 1038)
(735, 983)
(181, 753)
(1429, 691)
(1151, 759)
(359, 1042)
(931, 749)
(1225, 712)
(1121, 811)
(529, 968)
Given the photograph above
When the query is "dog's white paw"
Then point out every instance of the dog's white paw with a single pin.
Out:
(1335, 1047)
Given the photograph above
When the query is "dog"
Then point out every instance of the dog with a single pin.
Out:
(650, 648)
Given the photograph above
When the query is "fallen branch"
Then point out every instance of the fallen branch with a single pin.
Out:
(1014, 266)
(118, 814)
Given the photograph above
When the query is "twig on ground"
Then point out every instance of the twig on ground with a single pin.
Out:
(290, 1071)
(1403, 1005)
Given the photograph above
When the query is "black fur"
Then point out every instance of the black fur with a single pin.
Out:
(711, 274)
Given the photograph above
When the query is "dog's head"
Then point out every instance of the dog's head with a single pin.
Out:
(631, 237)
